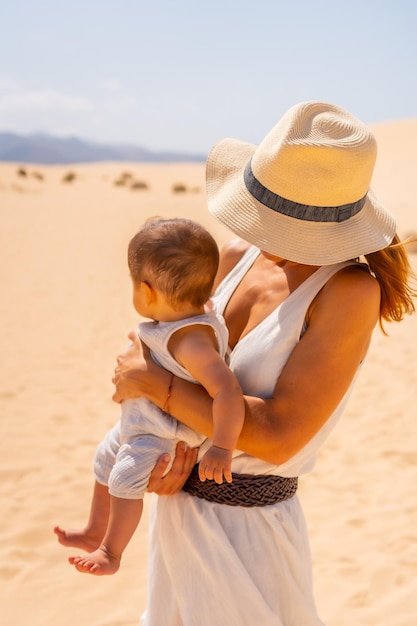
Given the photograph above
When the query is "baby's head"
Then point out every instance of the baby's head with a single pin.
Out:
(178, 257)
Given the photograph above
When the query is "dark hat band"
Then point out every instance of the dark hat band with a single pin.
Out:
(294, 209)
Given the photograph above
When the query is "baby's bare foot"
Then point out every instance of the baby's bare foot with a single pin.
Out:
(77, 539)
(100, 562)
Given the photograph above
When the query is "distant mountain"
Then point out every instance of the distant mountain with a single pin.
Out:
(48, 150)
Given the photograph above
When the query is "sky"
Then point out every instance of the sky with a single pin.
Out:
(182, 74)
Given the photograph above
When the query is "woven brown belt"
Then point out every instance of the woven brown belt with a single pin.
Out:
(245, 490)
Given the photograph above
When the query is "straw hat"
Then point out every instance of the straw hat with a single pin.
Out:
(303, 194)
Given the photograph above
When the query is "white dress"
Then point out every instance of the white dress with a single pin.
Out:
(217, 565)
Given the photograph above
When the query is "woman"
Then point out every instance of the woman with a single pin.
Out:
(300, 309)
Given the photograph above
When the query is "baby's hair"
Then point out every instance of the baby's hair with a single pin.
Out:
(178, 257)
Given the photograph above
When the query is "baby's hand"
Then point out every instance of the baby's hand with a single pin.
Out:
(215, 465)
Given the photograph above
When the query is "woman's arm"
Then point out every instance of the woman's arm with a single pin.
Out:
(311, 385)
(319, 371)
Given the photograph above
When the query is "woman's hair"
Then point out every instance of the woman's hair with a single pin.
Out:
(391, 267)
(178, 257)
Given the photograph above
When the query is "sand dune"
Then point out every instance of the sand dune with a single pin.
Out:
(65, 315)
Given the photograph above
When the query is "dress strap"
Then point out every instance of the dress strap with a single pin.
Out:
(230, 282)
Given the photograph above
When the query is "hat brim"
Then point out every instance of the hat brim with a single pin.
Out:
(298, 240)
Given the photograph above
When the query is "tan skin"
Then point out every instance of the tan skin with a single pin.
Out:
(316, 376)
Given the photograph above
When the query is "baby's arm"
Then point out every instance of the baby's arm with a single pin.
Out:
(195, 347)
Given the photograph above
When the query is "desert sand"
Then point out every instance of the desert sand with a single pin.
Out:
(66, 311)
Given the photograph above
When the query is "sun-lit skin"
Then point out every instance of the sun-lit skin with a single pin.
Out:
(275, 259)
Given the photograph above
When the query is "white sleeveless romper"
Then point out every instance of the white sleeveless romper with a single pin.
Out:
(130, 450)
(217, 565)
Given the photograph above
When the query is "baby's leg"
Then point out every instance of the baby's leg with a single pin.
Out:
(89, 537)
(124, 518)
(127, 485)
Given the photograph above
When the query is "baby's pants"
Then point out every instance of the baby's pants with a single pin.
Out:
(126, 467)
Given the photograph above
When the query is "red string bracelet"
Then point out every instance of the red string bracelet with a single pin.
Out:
(169, 393)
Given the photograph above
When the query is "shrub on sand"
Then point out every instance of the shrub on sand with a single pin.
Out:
(69, 177)
(179, 188)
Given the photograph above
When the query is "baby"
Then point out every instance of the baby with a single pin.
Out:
(173, 264)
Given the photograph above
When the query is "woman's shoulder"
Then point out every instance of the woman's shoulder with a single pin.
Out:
(355, 276)
(234, 249)
(354, 289)
(230, 255)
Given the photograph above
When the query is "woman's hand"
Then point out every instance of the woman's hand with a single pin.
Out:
(130, 373)
(173, 481)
